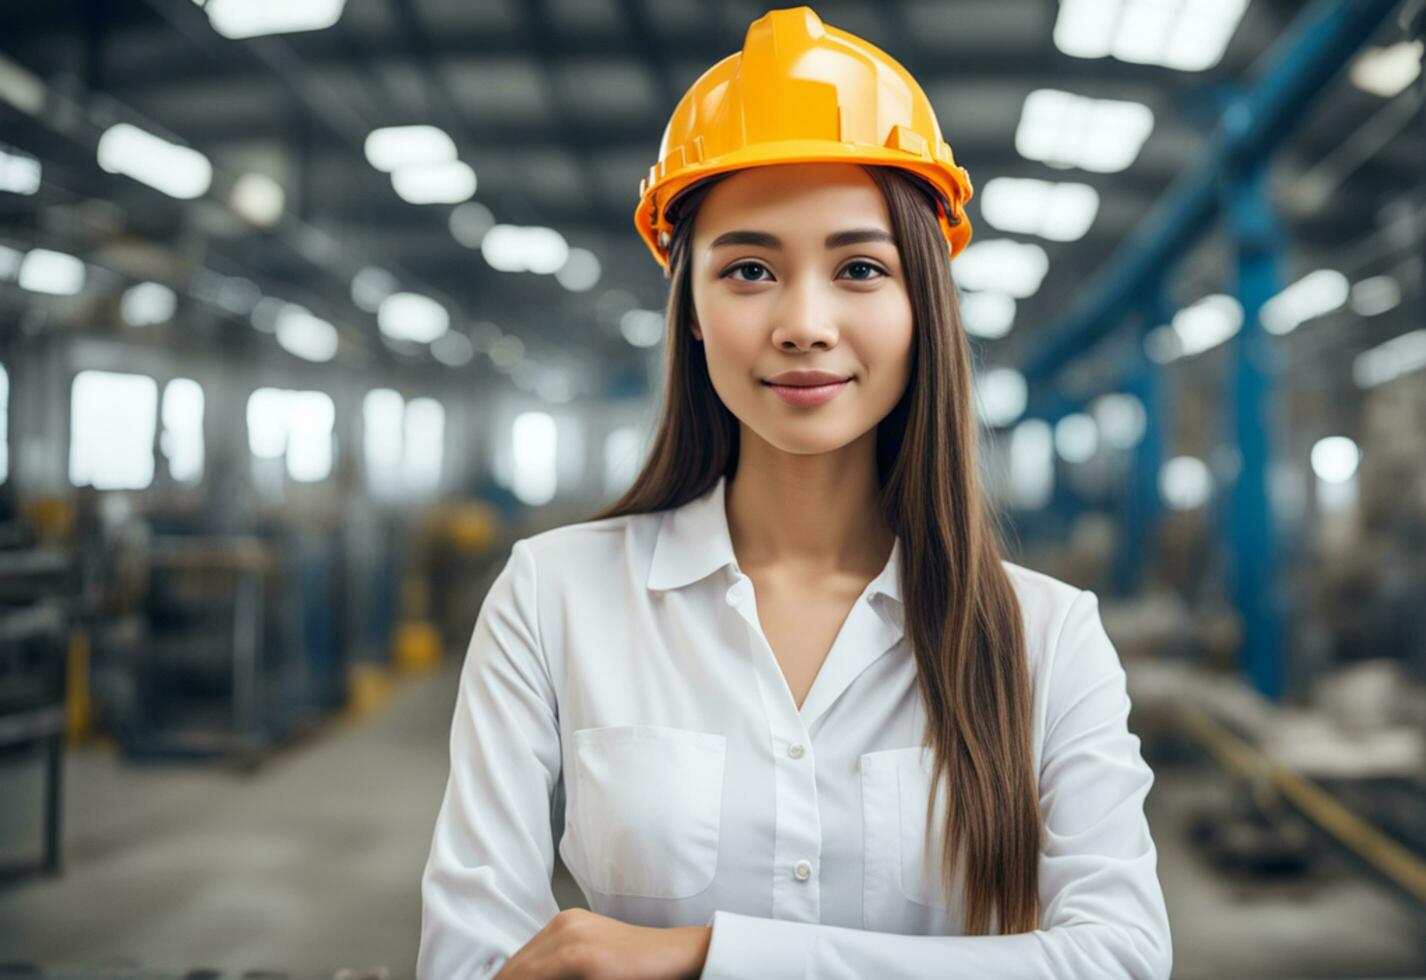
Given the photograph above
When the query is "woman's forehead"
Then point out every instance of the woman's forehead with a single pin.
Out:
(798, 200)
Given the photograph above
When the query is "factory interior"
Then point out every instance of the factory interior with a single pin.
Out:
(310, 310)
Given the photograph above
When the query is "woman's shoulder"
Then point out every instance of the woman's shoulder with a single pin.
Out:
(1046, 604)
(1040, 595)
(590, 547)
(1038, 587)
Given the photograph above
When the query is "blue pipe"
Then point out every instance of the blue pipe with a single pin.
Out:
(1257, 242)
(1314, 48)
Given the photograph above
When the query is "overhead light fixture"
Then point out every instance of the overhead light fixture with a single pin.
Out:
(642, 328)
(412, 317)
(1206, 323)
(1335, 459)
(1001, 395)
(580, 271)
(1121, 419)
(304, 335)
(484, 334)
(178, 171)
(988, 315)
(19, 172)
(258, 199)
(372, 285)
(469, 222)
(10, 259)
(393, 147)
(1076, 437)
(20, 88)
(147, 303)
(231, 294)
(1187, 35)
(238, 19)
(507, 351)
(1374, 296)
(265, 313)
(55, 273)
(1396, 358)
(453, 349)
(1387, 71)
(1060, 212)
(1063, 130)
(434, 183)
(516, 248)
(1313, 295)
(1001, 265)
(1185, 483)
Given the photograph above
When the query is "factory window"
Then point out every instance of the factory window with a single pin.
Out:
(403, 443)
(381, 416)
(535, 459)
(621, 459)
(4, 424)
(182, 438)
(112, 419)
(425, 437)
(295, 426)
(1032, 464)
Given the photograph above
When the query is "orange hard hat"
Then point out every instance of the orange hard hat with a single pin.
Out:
(801, 91)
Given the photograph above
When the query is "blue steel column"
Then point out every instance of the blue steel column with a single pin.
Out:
(1250, 531)
(1141, 504)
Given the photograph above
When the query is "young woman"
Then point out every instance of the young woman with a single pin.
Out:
(799, 717)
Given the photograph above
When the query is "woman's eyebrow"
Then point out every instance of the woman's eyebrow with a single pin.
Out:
(838, 239)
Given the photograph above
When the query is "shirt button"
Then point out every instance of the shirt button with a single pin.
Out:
(802, 870)
(795, 751)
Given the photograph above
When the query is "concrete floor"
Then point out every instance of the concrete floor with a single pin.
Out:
(313, 863)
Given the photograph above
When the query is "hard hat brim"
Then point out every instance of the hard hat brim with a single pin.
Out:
(947, 178)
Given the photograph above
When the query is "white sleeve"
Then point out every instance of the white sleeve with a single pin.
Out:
(1102, 908)
(486, 890)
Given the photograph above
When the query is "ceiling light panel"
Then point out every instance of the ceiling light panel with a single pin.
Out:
(1187, 35)
(1064, 130)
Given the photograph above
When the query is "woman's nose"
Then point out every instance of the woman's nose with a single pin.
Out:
(804, 315)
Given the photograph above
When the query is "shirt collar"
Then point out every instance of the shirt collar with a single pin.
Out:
(694, 542)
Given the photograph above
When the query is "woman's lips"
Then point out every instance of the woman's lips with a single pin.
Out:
(808, 395)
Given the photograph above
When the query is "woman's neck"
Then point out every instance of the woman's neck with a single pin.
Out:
(815, 515)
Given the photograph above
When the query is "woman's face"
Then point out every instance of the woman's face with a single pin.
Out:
(775, 289)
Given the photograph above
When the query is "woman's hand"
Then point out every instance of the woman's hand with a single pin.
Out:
(581, 945)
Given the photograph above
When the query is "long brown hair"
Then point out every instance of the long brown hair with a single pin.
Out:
(962, 616)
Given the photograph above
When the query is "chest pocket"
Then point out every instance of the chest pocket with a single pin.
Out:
(901, 878)
(646, 808)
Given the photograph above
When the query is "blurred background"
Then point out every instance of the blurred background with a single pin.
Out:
(309, 308)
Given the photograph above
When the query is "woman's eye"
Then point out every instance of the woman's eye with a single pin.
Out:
(746, 265)
(863, 265)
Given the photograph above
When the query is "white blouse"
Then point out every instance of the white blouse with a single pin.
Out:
(619, 696)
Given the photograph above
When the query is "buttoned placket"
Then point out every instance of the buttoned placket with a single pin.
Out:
(797, 846)
(797, 842)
